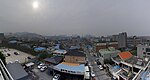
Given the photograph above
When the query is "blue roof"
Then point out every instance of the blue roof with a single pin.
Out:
(60, 51)
(39, 49)
(57, 46)
(74, 47)
(79, 68)
(13, 41)
(116, 67)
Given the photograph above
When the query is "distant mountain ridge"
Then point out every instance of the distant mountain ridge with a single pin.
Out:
(26, 35)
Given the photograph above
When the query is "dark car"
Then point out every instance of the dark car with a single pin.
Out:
(98, 63)
(29, 57)
(16, 53)
(8, 54)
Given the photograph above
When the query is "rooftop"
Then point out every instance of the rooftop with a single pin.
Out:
(125, 55)
(132, 60)
(126, 75)
(54, 59)
(110, 50)
(39, 48)
(60, 51)
(16, 70)
(75, 53)
(71, 68)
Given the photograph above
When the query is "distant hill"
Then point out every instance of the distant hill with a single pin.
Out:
(26, 35)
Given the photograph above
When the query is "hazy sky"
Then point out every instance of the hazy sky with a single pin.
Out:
(59, 17)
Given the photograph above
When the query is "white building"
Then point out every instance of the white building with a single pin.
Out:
(143, 51)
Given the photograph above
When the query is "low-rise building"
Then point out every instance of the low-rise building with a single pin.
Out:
(106, 54)
(75, 56)
(59, 52)
(71, 68)
(105, 45)
(17, 71)
(129, 65)
(4, 73)
(53, 60)
(40, 49)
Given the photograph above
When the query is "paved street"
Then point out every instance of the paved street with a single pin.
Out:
(42, 75)
(100, 74)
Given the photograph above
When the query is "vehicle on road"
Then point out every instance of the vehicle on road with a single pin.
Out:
(40, 66)
(16, 53)
(92, 74)
(29, 57)
(56, 77)
(101, 67)
(98, 62)
(8, 54)
(43, 68)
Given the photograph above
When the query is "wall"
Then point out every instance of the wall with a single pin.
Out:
(74, 59)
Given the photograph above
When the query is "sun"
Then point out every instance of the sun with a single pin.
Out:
(35, 5)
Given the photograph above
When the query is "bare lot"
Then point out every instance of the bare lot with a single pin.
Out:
(21, 57)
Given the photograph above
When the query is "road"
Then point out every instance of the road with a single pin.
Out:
(42, 75)
(100, 74)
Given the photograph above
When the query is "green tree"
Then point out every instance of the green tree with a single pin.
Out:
(44, 55)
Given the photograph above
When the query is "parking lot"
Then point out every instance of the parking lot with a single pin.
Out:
(21, 57)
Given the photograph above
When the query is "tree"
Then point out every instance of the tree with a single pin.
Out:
(44, 55)
(2, 57)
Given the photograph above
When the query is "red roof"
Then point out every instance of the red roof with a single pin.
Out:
(125, 55)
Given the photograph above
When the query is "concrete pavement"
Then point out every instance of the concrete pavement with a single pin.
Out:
(99, 74)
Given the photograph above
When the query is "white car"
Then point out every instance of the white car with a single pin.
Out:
(56, 77)
(17, 61)
(40, 66)
(92, 74)
(100, 67)
(43, 68)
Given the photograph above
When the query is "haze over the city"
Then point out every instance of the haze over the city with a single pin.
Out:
(67, 17)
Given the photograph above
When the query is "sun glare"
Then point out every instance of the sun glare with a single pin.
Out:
(35, 4)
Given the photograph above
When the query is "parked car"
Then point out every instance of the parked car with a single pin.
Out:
(56, 77)
(29, 57)
(101, 67)
(16, 53)
(5, 50)
(10, 62)
(92, 74)
(8, 54)
(98, 63)
(40, 66)
(43, 68)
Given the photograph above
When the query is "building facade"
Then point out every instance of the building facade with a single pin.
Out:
(133, 41)
(99, 46)
(75, 57)
(143, 51)
(1, 37)
(122, 40)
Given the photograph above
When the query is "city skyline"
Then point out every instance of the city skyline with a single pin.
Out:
(83, 17)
